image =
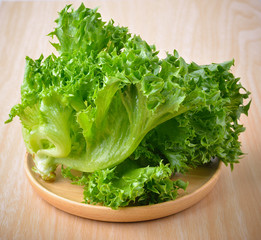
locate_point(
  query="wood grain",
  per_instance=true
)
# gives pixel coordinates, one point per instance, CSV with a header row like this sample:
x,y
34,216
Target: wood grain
x,y
202,31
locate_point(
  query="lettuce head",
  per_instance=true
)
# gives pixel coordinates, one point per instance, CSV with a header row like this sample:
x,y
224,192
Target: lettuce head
x,y
109,107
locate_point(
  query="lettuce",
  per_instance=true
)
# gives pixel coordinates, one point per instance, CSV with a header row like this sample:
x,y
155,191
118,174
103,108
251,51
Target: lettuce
x,y
109,107
127,185
199,135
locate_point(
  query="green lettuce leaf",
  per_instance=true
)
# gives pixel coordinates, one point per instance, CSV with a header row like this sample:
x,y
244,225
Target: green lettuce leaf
x,y
196,136
128,185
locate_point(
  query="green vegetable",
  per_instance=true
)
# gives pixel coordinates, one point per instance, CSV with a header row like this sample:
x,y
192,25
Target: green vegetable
x,y
109,107
128,184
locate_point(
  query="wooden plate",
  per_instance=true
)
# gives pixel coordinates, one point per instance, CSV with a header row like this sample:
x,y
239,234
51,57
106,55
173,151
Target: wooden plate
x,y
67,197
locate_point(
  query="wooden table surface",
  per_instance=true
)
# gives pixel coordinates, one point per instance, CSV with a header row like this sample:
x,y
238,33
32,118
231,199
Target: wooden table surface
x,y
201,31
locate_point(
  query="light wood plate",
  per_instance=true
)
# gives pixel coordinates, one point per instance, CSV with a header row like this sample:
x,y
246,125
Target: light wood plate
x,y
67,197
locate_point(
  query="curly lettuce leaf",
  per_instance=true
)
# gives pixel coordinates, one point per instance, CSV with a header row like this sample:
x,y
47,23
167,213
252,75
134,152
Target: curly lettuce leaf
x,y
195,137
83,30
128,185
